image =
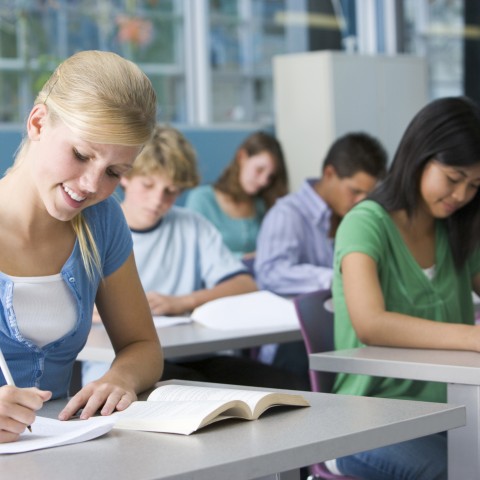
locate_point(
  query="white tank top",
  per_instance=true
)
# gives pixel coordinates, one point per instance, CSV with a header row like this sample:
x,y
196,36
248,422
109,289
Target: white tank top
x,y
45,308
430,272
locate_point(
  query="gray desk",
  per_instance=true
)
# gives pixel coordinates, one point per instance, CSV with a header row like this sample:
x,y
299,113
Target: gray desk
x,y
281,441
460,370
192,339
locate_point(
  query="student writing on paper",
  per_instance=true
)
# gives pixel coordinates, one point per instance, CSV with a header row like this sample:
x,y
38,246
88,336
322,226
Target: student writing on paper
x,y
182,260
64,243
295,244
406,261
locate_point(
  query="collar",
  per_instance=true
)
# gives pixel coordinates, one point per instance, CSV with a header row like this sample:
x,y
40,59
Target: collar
x,y
314,205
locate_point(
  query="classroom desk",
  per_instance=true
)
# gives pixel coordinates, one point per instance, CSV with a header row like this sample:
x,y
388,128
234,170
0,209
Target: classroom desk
x,y
192,339
460,370
282,440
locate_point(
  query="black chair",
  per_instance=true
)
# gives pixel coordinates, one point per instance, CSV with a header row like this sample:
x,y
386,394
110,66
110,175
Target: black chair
x,y
315,315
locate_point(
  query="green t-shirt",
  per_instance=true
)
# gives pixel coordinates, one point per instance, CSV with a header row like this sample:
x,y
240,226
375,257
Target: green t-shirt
x,y
369,229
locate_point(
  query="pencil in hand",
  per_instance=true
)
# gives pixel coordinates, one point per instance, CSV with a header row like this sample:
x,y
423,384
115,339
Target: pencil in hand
x,y
8,376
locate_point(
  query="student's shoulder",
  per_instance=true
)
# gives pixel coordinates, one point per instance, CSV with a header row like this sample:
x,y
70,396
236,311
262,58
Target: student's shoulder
x,y
108,210
186,217
202,192
368,208
289,206
367,216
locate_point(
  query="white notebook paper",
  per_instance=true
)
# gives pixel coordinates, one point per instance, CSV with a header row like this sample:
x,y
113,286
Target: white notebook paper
x,y
261,309
50,432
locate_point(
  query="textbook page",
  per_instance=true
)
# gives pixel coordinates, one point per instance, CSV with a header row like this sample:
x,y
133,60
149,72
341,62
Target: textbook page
x,y
256,400
50,432
261,309
182,417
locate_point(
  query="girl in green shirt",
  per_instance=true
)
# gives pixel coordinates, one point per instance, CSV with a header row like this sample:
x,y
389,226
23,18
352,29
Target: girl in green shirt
x,y
406,262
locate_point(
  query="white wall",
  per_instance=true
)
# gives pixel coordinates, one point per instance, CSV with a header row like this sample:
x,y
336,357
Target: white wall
x,y
320,96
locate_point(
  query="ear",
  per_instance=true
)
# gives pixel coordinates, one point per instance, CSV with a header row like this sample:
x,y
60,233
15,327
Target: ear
x,y
36,121
329,172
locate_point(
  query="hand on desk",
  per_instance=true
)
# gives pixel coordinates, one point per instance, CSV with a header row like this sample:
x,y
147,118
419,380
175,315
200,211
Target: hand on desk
x,y
17,410
106,395
168,304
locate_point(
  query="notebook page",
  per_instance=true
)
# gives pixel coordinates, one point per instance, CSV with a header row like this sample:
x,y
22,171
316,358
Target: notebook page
x,y
49,432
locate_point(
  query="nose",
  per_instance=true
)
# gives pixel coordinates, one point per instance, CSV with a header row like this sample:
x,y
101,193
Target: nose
x,y
264,180
90,180
158,197
460,192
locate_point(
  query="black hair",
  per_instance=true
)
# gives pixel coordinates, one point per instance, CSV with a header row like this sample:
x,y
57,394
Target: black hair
x,y
357,152
447,130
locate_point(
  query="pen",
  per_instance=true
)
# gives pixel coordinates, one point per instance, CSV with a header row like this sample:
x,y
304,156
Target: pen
x,y
8,375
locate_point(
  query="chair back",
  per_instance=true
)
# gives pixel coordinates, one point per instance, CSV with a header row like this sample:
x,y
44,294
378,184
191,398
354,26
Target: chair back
x,y
315,316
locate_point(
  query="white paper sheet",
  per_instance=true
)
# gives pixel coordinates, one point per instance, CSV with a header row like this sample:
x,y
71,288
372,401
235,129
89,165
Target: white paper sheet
x,y
162,321
49,432
261,309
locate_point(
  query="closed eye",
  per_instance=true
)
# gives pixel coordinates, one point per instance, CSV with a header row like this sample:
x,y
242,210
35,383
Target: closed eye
x,y
82,158
113,173
453,180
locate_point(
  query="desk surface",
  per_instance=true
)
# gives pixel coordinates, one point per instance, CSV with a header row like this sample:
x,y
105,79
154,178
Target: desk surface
x,y
411,363
282,440
192,339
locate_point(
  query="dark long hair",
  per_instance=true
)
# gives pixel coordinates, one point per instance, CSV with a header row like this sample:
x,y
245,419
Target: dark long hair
x,y
447,130
257,142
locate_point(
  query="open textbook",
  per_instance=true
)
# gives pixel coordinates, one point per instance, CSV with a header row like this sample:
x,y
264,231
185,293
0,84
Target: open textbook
x,y
184,409
169,408
260,309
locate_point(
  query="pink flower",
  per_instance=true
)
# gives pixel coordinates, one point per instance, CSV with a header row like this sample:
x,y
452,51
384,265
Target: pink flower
x,y
135,30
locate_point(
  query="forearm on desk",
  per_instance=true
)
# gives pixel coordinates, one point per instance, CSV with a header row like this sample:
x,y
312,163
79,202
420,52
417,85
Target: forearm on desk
x,y
140,364
237,285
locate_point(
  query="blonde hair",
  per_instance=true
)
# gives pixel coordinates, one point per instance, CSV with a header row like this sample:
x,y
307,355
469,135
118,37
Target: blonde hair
x,y
168,152
105,99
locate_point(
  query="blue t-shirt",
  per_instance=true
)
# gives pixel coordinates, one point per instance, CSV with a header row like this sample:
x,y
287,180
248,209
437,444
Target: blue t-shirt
x,y
50,367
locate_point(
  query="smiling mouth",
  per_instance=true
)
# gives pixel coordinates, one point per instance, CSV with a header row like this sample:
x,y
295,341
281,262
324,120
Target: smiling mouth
x,y
72,194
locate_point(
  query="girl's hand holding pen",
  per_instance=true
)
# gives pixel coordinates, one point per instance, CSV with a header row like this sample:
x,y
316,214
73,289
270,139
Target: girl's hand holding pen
x,y
17,410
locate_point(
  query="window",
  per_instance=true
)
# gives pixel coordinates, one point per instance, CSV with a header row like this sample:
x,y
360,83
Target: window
x,y
210,61
436,30
35,35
